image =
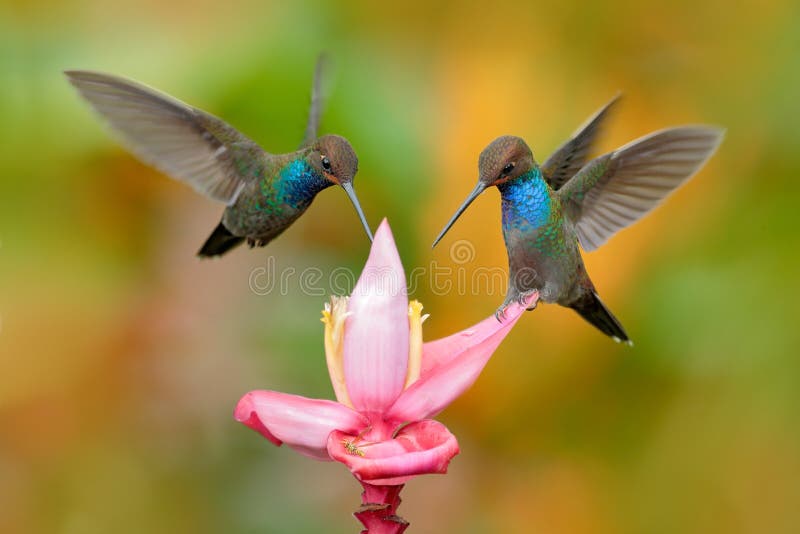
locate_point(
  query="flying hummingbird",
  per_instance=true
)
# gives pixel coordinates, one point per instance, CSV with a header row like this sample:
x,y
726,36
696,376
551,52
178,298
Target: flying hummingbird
x,y
548,210
264,193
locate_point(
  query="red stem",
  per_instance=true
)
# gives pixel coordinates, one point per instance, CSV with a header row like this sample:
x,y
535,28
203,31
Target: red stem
x,y
378,511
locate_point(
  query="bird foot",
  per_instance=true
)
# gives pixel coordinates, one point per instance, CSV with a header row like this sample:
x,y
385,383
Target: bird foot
x,y
253,242
520,299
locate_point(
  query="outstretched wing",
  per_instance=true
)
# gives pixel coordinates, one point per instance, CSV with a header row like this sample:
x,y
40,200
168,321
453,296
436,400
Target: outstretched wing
x,y
184,142
571,156
618,188
319,93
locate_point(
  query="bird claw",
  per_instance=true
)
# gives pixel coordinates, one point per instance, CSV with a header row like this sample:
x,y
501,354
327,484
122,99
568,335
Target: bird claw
x,y
522,298
253,242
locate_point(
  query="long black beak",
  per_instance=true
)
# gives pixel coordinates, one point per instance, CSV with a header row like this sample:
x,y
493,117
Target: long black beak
x,y
472,196
351,193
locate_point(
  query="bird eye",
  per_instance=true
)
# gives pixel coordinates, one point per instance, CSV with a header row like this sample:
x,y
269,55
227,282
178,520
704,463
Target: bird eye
x,y
326,163
508,168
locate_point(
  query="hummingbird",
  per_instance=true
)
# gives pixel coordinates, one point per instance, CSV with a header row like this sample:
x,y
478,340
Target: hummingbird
x,y
548,211
264,193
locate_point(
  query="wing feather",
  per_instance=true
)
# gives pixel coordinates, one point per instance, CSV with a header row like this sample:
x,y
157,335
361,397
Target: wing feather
x,y
615,190
184,142
572,155
320,88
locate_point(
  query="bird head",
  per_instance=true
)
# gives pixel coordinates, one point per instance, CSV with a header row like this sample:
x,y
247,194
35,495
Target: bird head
x,y
506,158
333,157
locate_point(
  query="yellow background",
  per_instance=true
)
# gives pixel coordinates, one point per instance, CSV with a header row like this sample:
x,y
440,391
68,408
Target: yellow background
x,y
122,355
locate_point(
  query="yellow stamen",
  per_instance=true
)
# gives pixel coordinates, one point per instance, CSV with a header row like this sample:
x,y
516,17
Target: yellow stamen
x,y
352,448
415,320
333,316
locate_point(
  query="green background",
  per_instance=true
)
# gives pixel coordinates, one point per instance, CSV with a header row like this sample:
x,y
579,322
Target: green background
x,y
122,355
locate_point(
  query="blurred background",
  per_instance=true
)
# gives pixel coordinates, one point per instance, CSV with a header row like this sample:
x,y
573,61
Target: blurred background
x,y
122,355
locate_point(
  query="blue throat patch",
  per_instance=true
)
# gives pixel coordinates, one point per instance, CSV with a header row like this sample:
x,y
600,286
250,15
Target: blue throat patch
x,y
298,183
526,200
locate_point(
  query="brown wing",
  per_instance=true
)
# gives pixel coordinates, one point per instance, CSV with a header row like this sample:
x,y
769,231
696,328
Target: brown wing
x,y
188,144
571,156
319,93
618,188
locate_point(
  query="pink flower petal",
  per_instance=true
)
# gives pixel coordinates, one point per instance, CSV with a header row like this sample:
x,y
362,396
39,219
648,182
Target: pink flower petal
x,y
420,448
376,331
451,365
302,423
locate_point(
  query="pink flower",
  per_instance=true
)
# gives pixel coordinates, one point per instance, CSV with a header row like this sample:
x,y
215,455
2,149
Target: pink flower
x,y
388,384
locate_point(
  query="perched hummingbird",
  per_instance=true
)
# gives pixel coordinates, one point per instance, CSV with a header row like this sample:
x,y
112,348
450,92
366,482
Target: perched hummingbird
x,y
264,193
547,211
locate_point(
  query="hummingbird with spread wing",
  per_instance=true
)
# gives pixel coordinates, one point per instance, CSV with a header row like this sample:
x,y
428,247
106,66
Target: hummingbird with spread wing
x,y
264,193
549,210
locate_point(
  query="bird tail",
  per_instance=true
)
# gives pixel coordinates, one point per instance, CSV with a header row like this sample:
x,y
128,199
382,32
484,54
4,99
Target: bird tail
x,y
591,308
219,242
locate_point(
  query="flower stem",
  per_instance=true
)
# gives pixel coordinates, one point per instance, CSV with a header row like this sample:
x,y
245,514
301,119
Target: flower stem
x,y
378,511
